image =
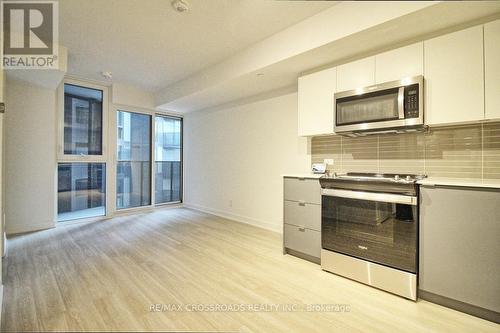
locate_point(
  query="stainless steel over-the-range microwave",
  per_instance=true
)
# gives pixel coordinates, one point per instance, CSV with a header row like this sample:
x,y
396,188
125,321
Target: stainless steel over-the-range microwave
x,y
396,106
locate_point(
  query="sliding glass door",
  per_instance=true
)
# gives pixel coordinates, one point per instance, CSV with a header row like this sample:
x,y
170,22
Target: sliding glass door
x,y
168,159
133,177
149,159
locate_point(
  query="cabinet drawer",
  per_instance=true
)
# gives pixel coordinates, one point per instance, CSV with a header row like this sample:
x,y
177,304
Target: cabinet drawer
x,y
303,215
300,189
303,240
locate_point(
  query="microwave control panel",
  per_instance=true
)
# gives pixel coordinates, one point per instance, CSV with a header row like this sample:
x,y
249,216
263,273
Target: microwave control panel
x,y
411,101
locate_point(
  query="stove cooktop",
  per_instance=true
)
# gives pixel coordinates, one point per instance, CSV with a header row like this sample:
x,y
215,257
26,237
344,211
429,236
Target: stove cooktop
x,y
372,182
377,177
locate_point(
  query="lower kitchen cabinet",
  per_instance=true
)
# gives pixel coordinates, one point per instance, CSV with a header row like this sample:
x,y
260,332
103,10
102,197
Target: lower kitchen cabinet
x,y
302,218
303,240
302,190
459,261
303,214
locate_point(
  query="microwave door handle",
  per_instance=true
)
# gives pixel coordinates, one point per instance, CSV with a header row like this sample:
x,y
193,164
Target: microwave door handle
x,y
401,101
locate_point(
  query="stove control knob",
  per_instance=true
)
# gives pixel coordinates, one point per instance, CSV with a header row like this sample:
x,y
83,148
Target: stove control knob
x,y
408,178
396,177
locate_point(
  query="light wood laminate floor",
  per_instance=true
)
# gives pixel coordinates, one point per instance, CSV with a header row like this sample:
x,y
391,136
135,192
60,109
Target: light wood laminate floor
x,y
106,275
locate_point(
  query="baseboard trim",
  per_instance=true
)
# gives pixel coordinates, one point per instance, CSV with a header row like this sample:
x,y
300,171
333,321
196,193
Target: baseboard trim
x,y
460,306
29,228
235,217
304,256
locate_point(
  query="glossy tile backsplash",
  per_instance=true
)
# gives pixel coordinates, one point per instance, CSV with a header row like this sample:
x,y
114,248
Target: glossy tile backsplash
x,y
471,151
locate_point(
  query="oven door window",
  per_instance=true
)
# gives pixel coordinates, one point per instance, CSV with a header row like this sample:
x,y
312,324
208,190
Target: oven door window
x,y
384,233
371,107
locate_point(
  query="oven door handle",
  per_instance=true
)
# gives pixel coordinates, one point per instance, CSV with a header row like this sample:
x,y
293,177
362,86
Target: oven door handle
x,y
370,196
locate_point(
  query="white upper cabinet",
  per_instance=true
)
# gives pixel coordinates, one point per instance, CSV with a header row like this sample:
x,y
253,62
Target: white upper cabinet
x,y
492,69
461,71
357,74
400,63
454,77
316,102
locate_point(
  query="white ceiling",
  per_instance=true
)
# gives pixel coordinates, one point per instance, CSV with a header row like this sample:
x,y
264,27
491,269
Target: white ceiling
x,y
147,44
418,25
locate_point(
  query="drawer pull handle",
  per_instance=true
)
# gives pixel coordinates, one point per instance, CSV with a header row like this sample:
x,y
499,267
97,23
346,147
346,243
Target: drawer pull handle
x,y
301,178
302,229
361,247
302,203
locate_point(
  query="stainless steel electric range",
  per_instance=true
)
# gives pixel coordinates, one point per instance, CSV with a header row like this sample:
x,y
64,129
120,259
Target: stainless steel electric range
x,y
369,229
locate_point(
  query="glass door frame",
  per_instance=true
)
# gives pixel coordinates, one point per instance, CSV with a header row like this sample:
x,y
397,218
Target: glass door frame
x,y
61,157
181,196
113,149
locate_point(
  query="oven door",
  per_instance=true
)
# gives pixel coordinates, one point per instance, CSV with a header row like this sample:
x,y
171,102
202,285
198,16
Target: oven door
x,y
378,227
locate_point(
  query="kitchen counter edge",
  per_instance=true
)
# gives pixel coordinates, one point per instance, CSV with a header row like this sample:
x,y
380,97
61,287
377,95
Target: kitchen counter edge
x,y
429,181
460,182
304,175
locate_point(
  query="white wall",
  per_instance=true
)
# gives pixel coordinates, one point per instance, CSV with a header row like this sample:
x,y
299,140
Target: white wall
x,y
31,146
30,157
239,154
124,94
236,154
328,26
2,161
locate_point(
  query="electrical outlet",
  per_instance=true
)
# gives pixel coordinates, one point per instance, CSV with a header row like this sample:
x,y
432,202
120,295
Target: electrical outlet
x,y
328,161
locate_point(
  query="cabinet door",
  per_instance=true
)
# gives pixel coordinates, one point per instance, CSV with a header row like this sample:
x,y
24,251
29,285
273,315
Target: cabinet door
x,y
454,86
315,102
357,74
400,63
492,69
459,247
